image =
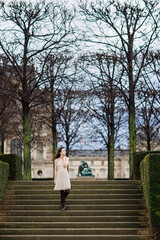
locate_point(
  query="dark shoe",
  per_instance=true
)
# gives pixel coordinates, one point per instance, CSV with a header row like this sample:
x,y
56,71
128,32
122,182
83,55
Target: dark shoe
x,y
63,207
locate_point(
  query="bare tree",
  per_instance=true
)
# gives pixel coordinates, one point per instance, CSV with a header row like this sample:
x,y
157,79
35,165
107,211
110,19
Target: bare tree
x,y
127,30
6,113
147,123
8,110
59,73
104,101
30,30
73,115
151,77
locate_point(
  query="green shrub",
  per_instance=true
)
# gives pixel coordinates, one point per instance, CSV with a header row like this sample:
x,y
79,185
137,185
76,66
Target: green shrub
x,y
15,165
150,176
138,157
4,173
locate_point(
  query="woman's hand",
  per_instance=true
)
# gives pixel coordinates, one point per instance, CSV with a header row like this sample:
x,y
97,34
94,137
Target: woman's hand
x,y
64,165
65,162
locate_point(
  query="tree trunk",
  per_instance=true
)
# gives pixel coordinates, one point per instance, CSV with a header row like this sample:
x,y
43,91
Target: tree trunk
x,y
26,142
111,157
132,139
54,136
67,149
111,132
26,110
54,130
54,133
110,148
148,137
148,144
67,138
2,146
132,124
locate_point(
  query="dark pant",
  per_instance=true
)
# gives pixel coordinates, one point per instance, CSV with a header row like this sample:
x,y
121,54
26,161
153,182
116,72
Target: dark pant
x,y
64,194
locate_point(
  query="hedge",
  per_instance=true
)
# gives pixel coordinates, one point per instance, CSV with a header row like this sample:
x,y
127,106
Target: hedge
x,y
15,165
150,176
138,157
4,173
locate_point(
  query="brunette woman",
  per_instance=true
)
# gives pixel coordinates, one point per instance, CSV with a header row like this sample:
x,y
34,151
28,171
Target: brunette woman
x,y
61,177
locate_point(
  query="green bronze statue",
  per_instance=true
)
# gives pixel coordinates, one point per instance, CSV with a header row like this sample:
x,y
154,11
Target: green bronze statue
x,y
84,169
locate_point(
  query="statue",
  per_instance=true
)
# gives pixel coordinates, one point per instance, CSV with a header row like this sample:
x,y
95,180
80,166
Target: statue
x,y
87,171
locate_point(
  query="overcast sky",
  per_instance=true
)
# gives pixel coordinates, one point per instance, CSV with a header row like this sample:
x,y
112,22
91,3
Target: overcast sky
x,y
85,143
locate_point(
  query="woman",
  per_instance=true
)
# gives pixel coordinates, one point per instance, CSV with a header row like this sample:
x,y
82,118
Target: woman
x,y
61,177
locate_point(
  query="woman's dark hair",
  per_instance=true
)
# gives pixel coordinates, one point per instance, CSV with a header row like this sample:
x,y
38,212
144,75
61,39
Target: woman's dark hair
x,y
58,153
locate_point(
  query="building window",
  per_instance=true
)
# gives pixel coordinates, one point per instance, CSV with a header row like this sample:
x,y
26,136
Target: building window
x,y
40,151
16,147
102,162
102,172
39,173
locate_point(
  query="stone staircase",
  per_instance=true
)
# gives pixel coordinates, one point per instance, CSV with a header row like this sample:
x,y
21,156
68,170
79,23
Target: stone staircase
x,y
96,210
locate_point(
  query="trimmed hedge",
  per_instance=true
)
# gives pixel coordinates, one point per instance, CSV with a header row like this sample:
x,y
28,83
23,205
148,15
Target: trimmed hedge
x,y
138,157
15,165
150,176
4,173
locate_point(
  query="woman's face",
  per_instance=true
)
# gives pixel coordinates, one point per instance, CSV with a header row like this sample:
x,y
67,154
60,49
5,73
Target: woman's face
x,y
63,152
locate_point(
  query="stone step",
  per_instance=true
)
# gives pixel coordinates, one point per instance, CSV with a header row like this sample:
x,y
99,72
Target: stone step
x,y
73,213
73,218
74,237
77,182
116,207
76,231
75,187
64,225
91,201
73,191
74,196
96,209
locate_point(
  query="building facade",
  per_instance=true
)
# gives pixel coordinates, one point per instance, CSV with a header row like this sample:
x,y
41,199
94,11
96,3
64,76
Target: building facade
x,y
42,163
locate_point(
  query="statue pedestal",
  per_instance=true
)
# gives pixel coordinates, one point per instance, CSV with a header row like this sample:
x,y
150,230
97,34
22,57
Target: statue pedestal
x,y
85,178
